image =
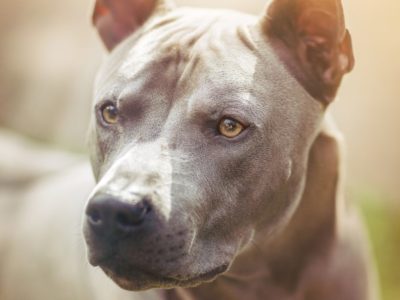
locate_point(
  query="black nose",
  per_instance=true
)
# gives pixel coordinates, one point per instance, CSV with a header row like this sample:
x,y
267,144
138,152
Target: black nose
x,y
111,216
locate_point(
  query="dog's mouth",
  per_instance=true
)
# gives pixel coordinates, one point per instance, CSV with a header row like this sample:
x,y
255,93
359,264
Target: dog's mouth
x,y
135,279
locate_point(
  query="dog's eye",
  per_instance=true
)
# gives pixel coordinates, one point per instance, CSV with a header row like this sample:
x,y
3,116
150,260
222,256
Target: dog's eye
x,y
230,128
109,113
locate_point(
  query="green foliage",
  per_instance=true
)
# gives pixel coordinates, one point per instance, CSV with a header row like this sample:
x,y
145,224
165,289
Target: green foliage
x,y
383,221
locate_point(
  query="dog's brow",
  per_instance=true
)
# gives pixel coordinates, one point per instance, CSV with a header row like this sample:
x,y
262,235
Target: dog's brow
x,y
238,105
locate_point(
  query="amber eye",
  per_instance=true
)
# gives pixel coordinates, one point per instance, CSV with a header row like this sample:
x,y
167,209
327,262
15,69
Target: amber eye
x,y
230,128
109,113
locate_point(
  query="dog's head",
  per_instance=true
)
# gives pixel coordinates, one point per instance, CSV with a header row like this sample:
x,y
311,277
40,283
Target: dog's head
x,y
202,123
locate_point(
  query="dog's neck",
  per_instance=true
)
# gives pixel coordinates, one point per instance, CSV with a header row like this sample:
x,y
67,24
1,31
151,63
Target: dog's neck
x,y
272,268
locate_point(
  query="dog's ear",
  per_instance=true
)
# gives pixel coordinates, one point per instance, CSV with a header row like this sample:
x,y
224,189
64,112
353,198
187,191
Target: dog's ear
x,y
311,38
117,19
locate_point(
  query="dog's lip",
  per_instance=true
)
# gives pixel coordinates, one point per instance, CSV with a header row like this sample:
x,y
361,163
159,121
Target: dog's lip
x,y
207,276
164,280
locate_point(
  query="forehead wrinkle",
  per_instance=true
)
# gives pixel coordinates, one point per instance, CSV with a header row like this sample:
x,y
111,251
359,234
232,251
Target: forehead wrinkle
x,y
171,41
181,29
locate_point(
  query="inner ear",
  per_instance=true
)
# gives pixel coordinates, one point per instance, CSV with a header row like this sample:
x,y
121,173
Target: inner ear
x,y
115,20
311,38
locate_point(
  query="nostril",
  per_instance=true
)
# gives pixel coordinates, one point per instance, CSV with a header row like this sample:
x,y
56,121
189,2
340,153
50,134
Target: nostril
x,y
132,216
127,221
94,217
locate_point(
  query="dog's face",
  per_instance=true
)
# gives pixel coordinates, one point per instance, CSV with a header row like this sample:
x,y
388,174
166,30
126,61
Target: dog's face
x,y
199,139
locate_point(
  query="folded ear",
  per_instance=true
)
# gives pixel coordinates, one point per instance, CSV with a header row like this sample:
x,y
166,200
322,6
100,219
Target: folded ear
x,y
117,19
311,38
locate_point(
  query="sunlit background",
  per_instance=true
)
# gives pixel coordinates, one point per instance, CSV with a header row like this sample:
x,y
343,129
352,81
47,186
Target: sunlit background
x,y
49,54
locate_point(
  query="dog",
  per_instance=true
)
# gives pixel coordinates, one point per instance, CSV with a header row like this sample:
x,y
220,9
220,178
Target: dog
x,y
217,165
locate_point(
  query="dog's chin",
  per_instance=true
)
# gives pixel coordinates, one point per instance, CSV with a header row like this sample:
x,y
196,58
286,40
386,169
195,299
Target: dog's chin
x,y
137,280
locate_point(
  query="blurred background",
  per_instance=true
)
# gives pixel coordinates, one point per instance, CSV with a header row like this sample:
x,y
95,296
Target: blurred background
x,y
49,54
